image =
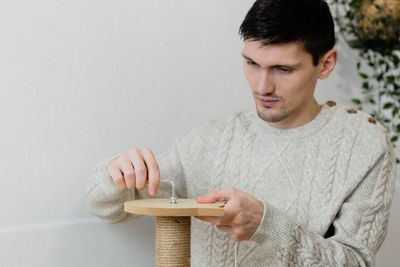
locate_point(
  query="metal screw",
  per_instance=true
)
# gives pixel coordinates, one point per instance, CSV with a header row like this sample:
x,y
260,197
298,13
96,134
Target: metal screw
x,y
173,195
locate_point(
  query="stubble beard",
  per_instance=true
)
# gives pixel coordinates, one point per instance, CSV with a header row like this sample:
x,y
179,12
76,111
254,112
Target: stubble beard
x,y
283,113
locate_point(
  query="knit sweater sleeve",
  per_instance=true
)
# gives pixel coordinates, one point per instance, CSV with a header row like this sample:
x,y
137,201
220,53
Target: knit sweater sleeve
x,y
106,201
360,225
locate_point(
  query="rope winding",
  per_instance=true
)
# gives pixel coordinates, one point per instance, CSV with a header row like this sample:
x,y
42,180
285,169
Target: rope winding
x,y
173,241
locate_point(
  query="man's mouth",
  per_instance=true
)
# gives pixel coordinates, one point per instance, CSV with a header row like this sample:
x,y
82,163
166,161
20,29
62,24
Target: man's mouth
x,y
267,102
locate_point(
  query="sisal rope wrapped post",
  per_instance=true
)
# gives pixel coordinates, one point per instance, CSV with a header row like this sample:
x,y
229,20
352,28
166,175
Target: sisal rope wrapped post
x,y
173,224
173,241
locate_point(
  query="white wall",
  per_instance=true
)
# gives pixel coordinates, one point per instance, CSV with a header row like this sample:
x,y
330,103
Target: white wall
x,y
84,80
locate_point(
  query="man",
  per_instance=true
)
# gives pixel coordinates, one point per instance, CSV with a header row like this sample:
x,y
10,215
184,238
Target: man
x,y
304,184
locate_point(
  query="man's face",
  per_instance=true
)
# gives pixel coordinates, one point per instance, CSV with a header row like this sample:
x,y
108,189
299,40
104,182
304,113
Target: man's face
x,y
282,78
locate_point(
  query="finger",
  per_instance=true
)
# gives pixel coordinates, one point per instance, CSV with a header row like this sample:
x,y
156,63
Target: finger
x,y
117,177
209,219
217,220
109,167
216,195
140,168
127,171
152,169
211,197
225,228
237,234
233,232
227,219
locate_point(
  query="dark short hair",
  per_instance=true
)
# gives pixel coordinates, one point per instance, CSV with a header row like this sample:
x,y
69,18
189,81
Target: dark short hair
x,y
308,22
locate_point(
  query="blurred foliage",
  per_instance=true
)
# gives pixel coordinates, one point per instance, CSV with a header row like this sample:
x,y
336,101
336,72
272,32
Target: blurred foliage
x,y
373,27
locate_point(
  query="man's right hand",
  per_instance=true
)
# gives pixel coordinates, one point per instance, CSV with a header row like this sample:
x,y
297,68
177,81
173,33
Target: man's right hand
x,y
134,169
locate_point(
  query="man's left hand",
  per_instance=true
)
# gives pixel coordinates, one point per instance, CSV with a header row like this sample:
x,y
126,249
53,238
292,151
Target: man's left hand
x,y
242,212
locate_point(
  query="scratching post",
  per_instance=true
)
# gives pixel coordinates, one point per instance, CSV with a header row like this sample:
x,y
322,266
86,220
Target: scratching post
x,y
173,241
173,226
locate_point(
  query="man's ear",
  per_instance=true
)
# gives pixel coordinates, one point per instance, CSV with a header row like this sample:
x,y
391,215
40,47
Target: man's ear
x,y
327,63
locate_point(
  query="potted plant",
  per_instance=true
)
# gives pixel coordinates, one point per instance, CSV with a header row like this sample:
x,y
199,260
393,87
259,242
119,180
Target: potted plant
x,y
373,27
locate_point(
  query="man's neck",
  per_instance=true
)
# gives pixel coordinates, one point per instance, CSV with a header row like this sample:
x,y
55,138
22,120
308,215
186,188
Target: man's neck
x,y
300,117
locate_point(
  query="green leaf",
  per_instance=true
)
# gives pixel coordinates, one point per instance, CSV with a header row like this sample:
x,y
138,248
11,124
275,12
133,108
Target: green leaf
x,y
372,101
387,105
396,59
395,111
398,128
390,79
394,138
365,85
363,75
353,4
356,101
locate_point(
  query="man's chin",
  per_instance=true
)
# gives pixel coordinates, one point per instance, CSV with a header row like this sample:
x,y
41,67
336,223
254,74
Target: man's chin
x,y
268,116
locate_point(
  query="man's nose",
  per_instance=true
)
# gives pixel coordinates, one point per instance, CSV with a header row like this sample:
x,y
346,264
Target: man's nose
x,y
265,83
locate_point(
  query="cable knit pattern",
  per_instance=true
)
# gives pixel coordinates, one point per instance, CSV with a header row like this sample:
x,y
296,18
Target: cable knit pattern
x,y
337,172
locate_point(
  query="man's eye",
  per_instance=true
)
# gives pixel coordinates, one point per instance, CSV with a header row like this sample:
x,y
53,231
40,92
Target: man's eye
x,y
284,70
251,63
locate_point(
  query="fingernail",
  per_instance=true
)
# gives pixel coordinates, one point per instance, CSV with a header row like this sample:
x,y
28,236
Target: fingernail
x,y
152,191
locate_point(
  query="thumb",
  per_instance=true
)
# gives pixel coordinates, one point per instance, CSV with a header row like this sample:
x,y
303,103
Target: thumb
x,y
216,195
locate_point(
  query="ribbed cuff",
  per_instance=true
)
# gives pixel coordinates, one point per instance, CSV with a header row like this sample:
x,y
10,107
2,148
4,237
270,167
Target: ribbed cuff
x,y
273,230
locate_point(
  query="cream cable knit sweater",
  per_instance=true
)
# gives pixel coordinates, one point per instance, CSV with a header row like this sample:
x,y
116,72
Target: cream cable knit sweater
x,y
326,186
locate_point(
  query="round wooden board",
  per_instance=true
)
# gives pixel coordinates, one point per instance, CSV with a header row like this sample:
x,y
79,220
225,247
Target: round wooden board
x,y
183,207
